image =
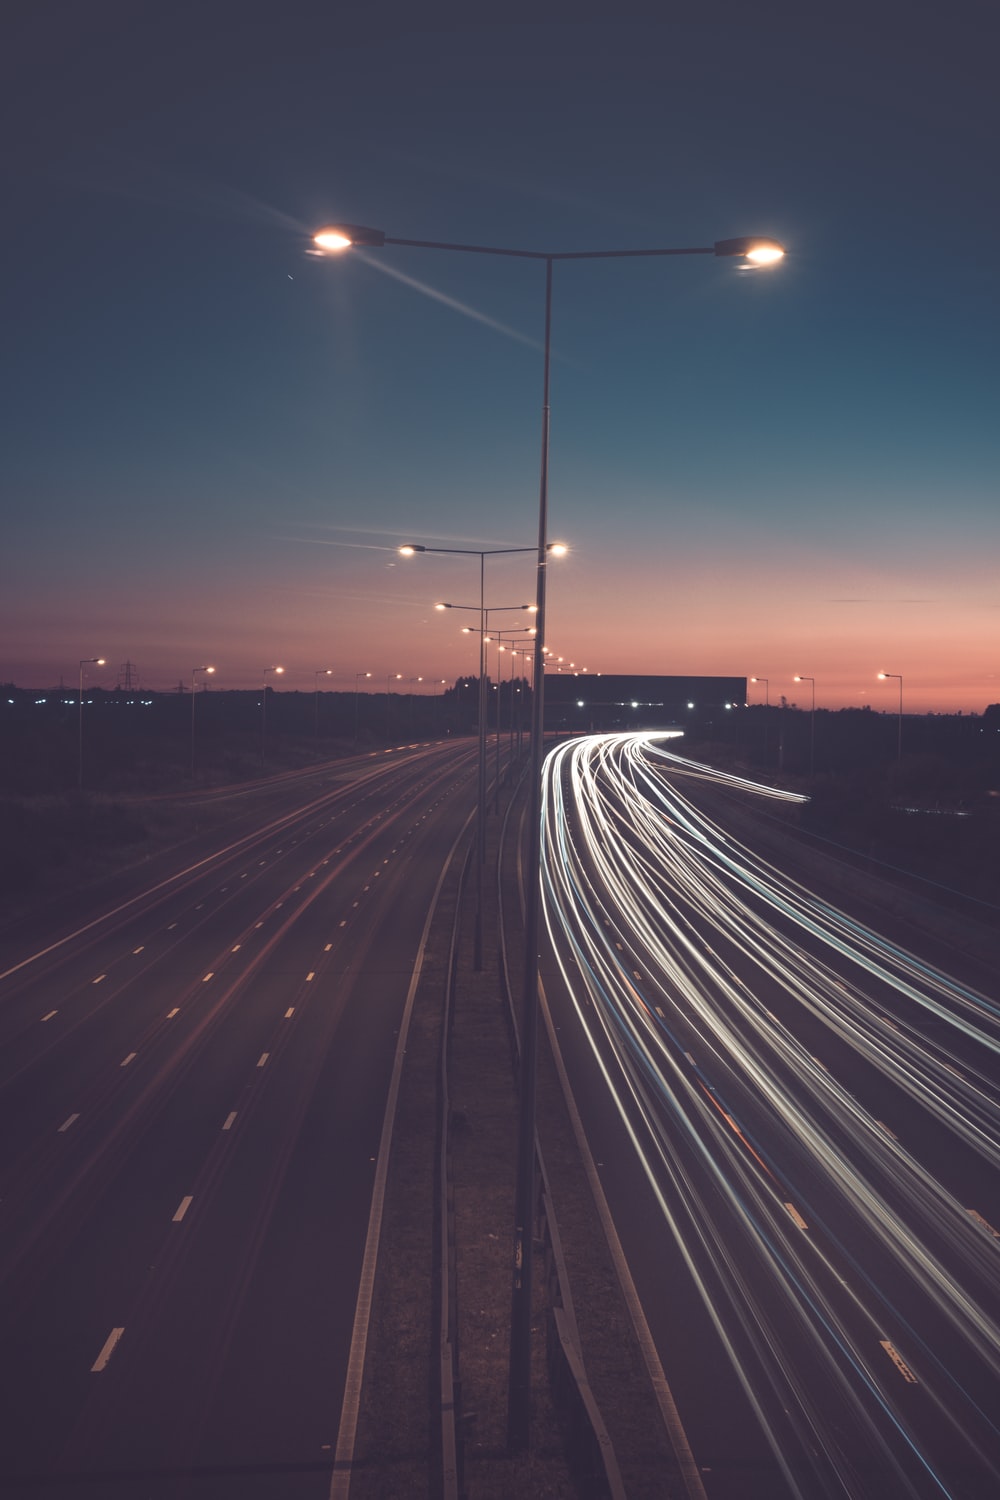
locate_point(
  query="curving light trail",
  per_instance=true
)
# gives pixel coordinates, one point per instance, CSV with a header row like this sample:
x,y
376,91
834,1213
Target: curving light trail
x,y
817,1112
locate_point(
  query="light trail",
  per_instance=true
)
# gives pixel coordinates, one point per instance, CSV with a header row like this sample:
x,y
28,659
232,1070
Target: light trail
x,y
817,1112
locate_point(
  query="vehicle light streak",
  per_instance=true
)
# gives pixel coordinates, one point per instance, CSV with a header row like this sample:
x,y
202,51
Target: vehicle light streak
x,y
819,1237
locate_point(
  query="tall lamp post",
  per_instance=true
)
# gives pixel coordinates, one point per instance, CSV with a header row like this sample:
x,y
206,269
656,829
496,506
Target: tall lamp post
x,y
358,678
812,724
317,674
263,713
87,661
767,705
389,677
760,252
194,674
884,677
484,614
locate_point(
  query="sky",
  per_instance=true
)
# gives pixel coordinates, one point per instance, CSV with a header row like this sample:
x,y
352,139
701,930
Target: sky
x,y
215,440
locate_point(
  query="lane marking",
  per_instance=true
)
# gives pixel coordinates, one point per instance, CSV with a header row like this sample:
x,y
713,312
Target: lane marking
x,y
208,976
126,1060
289,1013
899,1362
263,1059
70,1120
50,1015
182,1209
800,1221
99,978
109,1348
172,926
310,975
140,949
236,949
328,947
172,1013
229,1120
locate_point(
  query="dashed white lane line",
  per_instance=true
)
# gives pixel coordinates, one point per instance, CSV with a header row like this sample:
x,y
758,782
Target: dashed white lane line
x,y
311,975
263,1059
172,1013
182,1209
70,1120
140,949
50,1015
172,926
99,978
328,947
126,1060
236,948
110,1344
289,1013
208,976
229,1120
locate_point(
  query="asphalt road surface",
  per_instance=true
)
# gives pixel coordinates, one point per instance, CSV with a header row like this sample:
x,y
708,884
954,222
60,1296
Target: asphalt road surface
x,y
193,1086
797,1126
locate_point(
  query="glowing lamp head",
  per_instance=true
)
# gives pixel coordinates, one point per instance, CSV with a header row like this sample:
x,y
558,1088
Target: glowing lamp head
x,y
337,237
557,549
410,549
100,662
751,248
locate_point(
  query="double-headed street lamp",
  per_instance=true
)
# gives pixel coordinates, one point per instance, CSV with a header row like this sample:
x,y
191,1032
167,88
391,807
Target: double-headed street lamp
x,y
87,661
760,252
812,723
263,713
884,677
194,674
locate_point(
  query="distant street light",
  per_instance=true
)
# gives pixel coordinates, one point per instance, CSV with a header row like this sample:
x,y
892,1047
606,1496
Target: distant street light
x,y
767,705
317,674
358,677
812,724
757,251
194,673
263,713
884,676
87,661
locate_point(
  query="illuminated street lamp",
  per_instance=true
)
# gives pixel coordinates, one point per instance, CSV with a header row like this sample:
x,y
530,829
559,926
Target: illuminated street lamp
x,y
358,677
767,706
884,677
263,712
317,674
87,661
194,674
757,252
484,614
812,723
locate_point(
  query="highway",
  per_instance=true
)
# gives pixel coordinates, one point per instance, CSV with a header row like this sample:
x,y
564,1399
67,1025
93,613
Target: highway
x,y
193,1095
797,1126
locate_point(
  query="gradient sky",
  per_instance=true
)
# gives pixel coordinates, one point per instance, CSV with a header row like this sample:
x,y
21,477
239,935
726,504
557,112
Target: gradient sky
x,y
215,442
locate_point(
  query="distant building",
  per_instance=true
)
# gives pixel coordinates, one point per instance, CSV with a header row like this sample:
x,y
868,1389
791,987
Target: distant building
x,y
585,703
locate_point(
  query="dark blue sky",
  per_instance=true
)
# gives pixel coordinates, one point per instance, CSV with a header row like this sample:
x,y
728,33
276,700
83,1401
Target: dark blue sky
x,y
214,441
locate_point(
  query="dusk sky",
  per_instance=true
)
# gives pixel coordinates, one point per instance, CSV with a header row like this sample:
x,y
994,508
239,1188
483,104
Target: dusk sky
x,y
215,441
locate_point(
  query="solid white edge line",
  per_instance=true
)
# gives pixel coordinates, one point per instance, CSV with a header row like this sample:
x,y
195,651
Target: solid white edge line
x,y
340,1479
689,1473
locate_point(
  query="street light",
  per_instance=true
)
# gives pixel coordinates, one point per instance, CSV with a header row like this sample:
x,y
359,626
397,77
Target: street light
x,y
812,723
755,251
263,713
389,677
409,549
194,673
884,676
87,661
317,674
767,705
484,614
358,677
